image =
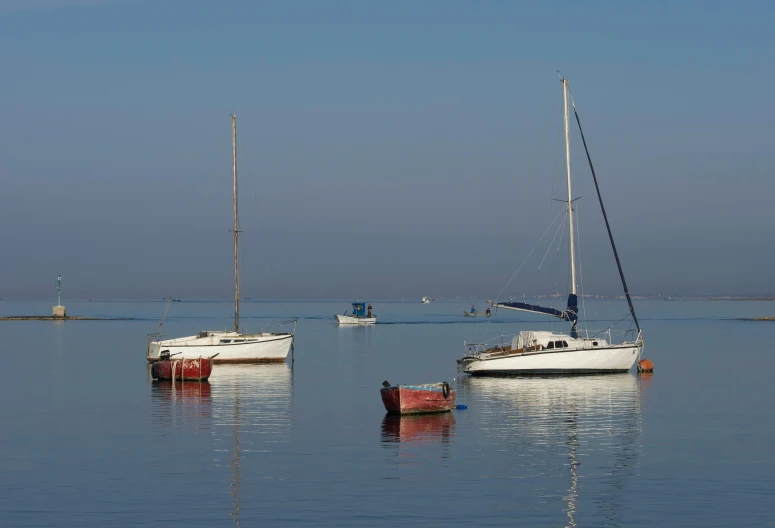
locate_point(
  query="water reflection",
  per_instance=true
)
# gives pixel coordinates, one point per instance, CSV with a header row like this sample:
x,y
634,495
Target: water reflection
x,y
594,419
426,428
186,405
414,441
248,399
166,389
246,408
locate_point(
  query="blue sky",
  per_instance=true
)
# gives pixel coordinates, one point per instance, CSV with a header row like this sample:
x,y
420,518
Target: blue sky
x,y
385,148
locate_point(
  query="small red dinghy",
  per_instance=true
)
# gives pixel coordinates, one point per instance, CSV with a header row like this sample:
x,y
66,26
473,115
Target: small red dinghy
x,y
410,399
182,369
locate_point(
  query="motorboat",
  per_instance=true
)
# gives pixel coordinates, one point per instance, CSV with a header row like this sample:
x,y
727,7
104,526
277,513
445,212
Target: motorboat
x,y
486,313
361,315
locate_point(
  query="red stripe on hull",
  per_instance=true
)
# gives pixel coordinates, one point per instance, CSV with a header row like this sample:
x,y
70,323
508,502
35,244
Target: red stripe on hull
x,y
183,369
405,400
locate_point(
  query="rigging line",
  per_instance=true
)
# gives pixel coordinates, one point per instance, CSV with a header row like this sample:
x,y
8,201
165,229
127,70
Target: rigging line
x,y
554,167
556,261
581,273
562,233
611,326
605,217
561,226
552,116
528,256
164,316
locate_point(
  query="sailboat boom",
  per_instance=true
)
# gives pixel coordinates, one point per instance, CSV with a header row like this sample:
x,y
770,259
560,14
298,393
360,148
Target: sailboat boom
x,y
570,314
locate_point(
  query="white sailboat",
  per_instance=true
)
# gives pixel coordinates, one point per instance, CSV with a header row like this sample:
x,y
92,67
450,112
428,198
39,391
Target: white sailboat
x,y
230,346
578,351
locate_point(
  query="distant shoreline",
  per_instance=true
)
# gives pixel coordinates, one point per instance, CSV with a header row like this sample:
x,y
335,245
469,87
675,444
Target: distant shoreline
x,y
742,299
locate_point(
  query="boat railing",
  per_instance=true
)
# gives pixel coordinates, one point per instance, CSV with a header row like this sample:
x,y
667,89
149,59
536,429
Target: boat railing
x,y
502,344
496,344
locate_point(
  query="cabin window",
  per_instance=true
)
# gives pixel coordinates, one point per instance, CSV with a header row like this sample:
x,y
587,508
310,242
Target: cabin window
x,y
565,344
225,341
560,344
239,341
550,345
594,343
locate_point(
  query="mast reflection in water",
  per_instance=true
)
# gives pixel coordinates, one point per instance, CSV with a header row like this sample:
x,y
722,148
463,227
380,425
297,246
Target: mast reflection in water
x,y
248,399
567,428
244,408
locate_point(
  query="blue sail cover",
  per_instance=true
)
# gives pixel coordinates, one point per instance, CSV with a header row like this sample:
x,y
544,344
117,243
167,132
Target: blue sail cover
x,y
359,309
570,314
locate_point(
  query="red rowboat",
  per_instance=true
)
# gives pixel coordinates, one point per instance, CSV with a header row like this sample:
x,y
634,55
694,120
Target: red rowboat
x,y
408,399
182,369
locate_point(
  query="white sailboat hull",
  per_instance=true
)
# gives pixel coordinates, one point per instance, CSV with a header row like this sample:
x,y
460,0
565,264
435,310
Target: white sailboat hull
x,y
231,347
350,320
617,358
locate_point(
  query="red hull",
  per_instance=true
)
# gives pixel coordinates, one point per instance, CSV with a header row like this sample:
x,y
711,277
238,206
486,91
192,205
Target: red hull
x,y
183,369
409,399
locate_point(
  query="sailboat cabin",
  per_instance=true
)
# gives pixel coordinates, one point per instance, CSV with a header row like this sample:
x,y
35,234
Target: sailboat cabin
x,y
550,341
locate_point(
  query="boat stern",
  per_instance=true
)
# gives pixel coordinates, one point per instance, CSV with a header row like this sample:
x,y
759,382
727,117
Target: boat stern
x,y
415,399
153,350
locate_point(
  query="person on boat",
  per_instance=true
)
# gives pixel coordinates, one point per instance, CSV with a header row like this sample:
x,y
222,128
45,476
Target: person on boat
x,y
487,311
473,309
368,314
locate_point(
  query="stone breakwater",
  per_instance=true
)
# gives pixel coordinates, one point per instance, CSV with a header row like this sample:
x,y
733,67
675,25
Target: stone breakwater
x,y
66,318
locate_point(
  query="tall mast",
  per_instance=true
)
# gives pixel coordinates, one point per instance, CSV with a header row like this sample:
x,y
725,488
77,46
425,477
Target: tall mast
x,y
236,223
570,196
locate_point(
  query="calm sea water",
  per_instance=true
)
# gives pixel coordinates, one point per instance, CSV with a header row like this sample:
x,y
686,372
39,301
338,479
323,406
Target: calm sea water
x,y
88,439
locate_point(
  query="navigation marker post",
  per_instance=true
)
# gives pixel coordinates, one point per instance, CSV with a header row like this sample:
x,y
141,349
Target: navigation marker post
x,y
59,310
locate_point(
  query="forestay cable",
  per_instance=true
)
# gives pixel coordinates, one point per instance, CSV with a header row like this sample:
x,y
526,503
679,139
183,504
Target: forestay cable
x,y
528,255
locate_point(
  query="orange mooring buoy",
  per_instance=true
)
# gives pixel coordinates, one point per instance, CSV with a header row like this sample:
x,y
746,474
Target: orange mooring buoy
x,y
644,365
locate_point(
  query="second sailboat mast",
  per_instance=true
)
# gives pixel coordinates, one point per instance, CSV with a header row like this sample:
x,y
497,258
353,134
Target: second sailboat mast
x,y
236,223
570,196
